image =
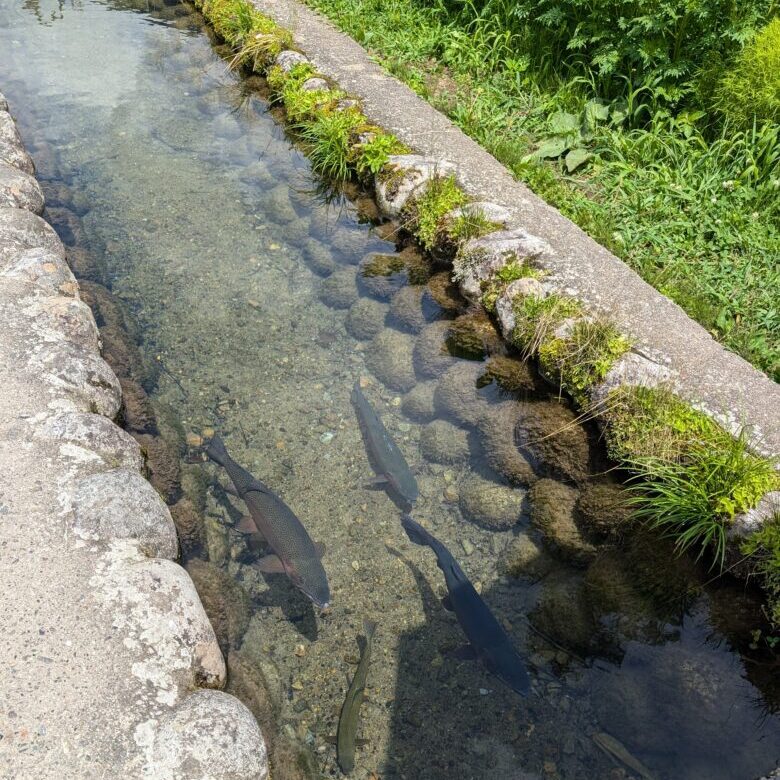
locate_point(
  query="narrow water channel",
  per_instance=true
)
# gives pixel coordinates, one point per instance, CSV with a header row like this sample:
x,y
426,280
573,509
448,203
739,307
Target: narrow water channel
x,y
175,187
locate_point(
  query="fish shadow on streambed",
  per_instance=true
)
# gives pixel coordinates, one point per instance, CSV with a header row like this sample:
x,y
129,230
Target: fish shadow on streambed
x,y
441,726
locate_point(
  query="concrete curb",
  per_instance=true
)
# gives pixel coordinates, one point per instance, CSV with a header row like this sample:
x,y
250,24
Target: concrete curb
x,y
105,642
705,374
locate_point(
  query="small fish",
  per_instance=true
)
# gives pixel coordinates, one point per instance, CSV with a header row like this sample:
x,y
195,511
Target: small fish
x,y
385,457
617,750
296,555
488,642
350,712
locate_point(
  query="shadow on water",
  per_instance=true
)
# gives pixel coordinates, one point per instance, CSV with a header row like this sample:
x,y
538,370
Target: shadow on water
x,y
240,268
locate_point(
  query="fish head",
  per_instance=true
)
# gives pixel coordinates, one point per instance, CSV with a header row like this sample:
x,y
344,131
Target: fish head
x,y
314,588
504,662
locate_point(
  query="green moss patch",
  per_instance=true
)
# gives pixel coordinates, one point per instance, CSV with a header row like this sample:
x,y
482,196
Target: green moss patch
x,y
423,214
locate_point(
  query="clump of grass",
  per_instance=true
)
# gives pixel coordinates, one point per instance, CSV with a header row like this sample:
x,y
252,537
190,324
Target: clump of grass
x,y
300,104
763,547
582,358
537,318
423,215
329,138
696,497
471,225
494,288
255,38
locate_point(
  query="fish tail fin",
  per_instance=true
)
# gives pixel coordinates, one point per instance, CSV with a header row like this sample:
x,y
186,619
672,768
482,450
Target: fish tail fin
x,y
369,627
217,450
415,531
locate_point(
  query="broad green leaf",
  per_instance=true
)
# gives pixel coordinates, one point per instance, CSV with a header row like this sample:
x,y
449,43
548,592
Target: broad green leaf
x,y
577,157
562,122
596,111
552,147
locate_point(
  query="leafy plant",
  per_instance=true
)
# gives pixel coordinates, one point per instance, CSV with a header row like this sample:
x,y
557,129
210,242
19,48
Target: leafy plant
x,y
511,272
373,154
750,90
424,213
537,318
763,547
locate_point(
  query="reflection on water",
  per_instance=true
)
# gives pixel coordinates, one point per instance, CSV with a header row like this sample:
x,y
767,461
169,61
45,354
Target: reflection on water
x,y
174,187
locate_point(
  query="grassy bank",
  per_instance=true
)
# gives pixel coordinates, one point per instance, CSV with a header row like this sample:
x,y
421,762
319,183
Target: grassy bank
x,y
659,162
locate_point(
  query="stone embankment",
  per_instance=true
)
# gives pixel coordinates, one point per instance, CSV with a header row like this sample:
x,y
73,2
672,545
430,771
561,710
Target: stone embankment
x,y
110,667
668,345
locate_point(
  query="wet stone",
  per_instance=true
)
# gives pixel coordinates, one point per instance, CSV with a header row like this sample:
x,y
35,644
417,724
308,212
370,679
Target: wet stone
x,y
418,403
162,461
21,230
497,434
318,257
491,504
443,442
137,413
339,290
431,354
366,318
389,358
604,509
12,150
523,558
457,393
445,293
406,308
67,224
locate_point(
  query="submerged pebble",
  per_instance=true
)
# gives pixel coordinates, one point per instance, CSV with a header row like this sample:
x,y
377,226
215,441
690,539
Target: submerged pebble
x,y
366,318
418,404
339,290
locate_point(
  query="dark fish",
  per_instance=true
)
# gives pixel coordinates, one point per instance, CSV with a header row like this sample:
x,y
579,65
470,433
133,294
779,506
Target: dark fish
x,y
385,457
296,555
488,642
346,736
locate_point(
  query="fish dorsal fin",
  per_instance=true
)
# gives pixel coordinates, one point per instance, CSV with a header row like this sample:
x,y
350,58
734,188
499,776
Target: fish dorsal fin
x,y
271,564
320,548
258,487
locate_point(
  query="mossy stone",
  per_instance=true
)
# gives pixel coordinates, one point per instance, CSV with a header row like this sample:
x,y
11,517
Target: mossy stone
x,y
137,411
564,613
406,308
553,513
189,526
457,393
318,257
603,509
497,435
225,601
549,434
162,463
523,558
473,336
382,275
446,293
510,373
431,354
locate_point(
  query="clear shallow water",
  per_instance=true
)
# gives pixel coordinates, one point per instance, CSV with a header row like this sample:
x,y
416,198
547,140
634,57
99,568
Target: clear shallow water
x,y
207,223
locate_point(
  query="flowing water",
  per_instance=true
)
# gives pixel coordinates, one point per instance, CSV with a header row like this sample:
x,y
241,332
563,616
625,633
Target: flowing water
x,y
176,187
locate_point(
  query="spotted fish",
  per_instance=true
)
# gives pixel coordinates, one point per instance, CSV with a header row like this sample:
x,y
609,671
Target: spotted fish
x,y
295,554
386,459
488,642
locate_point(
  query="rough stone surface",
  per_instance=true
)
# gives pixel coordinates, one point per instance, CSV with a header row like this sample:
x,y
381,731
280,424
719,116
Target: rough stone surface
x,y
102,647
406,177
12,152
505,305
121,504
21,229
315,84
418,403
339,290
708,374
492,212
480,258
765,510
19,190
366,318
457,393
288,59
431,354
